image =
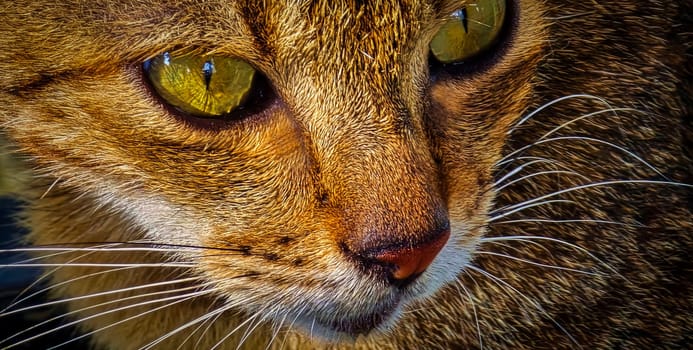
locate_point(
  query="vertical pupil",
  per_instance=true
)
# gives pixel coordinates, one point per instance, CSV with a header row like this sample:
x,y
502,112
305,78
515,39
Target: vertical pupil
x,y
207,70
464,18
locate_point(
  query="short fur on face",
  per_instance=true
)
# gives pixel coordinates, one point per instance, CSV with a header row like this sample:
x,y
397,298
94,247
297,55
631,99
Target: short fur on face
x,y
559,162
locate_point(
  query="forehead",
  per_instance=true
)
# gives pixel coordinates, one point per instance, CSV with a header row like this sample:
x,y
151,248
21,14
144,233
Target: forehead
x,y
282,15
340,27
210,22
272,34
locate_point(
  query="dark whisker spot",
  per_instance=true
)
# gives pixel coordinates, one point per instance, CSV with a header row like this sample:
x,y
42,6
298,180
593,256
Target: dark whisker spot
x,y
245,250
284,240
271,256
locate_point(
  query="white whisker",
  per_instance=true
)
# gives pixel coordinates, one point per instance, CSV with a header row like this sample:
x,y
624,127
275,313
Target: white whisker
x,y
549,104
540,264
43,276
588,139
293,322
210,322
512,209
613,110
533,302
181,298
93,295
18,301
530,239
120,300
249,319
529,176
568,221
205,317
253,326
525,158
50,187
520,168
591,185
471,301
101,265
65,250
72,323
275,332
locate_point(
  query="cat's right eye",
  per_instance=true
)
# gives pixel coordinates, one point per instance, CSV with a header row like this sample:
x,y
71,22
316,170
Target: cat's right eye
x,y
200,85
469,31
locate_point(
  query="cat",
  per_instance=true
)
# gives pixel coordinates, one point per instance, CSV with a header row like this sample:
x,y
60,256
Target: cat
x,y
353,175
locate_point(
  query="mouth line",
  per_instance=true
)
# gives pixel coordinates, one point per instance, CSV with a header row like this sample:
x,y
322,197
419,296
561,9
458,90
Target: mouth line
x,y
351,326
360,325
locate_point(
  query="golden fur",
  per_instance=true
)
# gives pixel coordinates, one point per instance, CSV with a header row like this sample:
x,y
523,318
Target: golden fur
x,y
362,143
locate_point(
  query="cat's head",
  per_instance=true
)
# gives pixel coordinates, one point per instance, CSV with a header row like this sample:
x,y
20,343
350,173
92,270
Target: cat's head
x,y
355,179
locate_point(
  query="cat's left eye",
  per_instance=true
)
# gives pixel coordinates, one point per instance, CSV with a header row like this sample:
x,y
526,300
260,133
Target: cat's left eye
x,y
469,31
200,85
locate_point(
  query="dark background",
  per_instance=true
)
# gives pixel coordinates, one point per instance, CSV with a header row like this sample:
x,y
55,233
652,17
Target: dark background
x,y
15,280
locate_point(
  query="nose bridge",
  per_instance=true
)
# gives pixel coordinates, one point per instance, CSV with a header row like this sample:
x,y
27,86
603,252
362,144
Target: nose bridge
x,y
361,109
384,181
359,101
380,174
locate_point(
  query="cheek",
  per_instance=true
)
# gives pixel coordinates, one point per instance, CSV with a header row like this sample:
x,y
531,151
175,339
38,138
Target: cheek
x,y
469,136
470,127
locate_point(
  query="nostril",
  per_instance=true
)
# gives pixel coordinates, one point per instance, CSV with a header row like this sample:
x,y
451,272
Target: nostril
x,y
409,262
400,263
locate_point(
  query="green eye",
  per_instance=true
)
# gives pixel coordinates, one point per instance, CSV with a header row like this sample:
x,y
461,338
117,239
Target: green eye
x,y
469,31
203,86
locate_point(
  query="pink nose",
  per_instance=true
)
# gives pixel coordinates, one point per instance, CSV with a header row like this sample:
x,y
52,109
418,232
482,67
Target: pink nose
x,y
409,262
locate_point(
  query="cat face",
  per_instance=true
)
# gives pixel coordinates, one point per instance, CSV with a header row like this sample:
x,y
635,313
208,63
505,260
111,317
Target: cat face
x,y
357,146
358,151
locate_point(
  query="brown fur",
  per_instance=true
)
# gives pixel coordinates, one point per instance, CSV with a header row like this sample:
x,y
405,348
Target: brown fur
x,y
363,144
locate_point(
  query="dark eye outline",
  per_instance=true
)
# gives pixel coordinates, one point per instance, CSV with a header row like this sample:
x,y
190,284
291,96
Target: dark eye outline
x,y
261,98
484,59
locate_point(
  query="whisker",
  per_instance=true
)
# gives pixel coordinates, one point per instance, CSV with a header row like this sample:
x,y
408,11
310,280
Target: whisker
x,y
250,318
82,297
293,322
181,298
72,323
614,110
506,245
561,268
591,185
253,326
100,265
511,211
525,158
65,250
533,302
520,168
50,187
476,316
589,139
548,172
276,330
18,301
205,317
152,246
560,99
210,323
312,326
530,239
57,252
43,276
96,306
568,221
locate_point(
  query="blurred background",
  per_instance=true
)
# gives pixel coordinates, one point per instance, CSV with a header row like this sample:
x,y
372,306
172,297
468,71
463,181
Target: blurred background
x,y
18,282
